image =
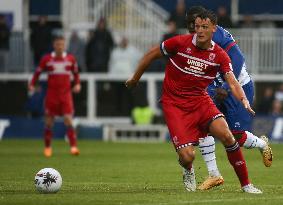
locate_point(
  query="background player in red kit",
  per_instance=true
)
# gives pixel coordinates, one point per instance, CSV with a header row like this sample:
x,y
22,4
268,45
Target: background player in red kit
x,y
58,101
193,61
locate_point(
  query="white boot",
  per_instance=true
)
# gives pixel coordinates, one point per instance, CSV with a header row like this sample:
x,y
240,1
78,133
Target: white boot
x,y
189,179
251,189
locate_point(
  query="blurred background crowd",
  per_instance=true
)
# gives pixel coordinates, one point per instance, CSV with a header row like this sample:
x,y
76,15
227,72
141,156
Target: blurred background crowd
x,y
109,37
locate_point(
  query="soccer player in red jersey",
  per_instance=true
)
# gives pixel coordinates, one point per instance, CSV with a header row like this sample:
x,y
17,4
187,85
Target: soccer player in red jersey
x,y
238,118
60,66
193,61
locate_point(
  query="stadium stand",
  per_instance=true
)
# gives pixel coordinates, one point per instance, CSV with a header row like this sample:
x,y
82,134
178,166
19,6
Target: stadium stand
x,y
144,23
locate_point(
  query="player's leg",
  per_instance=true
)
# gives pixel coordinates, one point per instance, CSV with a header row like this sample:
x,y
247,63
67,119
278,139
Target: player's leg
x,y
219,128
67,108
48,133
71,134
50,109
207,150
179,124
186,158
240,122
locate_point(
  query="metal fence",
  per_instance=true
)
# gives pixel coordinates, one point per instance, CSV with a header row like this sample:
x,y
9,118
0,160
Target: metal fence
x,y
263,50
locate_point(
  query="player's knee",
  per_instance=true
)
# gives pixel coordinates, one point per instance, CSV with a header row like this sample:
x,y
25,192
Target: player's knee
x,y
68,122
227,138
49,123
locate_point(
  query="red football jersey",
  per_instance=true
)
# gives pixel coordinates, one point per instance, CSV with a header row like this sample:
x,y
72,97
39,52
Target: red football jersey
x,y
59,70
190,70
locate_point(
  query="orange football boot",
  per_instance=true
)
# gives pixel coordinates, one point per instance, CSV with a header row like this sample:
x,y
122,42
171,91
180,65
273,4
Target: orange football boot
x,y
75,151
47,151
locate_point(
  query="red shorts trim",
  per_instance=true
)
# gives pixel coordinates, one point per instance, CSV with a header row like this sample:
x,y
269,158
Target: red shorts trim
x,y
186,127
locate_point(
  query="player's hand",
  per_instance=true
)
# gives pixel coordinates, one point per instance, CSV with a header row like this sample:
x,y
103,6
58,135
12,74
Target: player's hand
x,y
77,88
31,88
246,105
131,82
220,94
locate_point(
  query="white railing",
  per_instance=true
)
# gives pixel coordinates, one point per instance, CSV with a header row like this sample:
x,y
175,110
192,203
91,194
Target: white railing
x,y
92,96
263,49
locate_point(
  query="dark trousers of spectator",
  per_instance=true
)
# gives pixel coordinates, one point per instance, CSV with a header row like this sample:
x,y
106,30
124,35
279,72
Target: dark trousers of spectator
x,y
3,61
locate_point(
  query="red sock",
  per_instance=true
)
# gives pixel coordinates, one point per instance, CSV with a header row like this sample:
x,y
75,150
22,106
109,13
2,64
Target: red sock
x,y
240,136
47,137
190,166
238,162
71,133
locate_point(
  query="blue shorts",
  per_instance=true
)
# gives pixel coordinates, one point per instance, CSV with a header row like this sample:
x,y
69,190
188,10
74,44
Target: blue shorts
x,y
237,117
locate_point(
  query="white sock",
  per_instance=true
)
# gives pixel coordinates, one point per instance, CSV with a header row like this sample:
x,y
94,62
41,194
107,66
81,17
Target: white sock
x,y
253,141
207,150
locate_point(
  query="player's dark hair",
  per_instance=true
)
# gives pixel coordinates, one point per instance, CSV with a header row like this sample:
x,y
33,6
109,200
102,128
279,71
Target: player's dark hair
x,y
58,37
208,14
191,14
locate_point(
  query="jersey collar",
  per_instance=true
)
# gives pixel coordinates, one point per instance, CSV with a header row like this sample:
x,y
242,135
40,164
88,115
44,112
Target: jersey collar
x,y
194,41
63,55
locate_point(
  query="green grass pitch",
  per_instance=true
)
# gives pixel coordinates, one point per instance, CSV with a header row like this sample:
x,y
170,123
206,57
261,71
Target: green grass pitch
x,y
128,174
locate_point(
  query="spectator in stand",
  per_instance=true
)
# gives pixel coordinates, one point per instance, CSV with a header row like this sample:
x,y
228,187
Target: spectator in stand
x,y
40,39
171,30
124,58
276,108
267,24
4,43
265,104
123,61
77,48
158,65
248,22
224,19
279,94
179,15
142,114
98,48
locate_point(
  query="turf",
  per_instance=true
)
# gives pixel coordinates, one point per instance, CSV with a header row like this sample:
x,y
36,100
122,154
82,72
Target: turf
x,y
127,173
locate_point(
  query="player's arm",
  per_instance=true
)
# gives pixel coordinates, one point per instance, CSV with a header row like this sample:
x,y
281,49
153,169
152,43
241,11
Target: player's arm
x,y
77,81
38,71
151,55
238,91
167,48
235,87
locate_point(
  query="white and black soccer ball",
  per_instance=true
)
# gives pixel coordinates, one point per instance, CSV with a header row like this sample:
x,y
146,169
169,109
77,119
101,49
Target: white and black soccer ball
x,y
48,180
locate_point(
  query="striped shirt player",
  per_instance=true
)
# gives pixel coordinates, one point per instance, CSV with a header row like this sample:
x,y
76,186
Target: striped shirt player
x,y
58,100
60,67
238,118
193,62
188,73
236,115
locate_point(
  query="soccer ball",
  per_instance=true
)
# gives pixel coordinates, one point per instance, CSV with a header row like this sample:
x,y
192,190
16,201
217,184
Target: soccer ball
x,y
48,180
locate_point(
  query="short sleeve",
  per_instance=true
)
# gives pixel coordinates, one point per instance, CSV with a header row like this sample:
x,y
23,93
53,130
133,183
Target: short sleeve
x,y
225,63
170,46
